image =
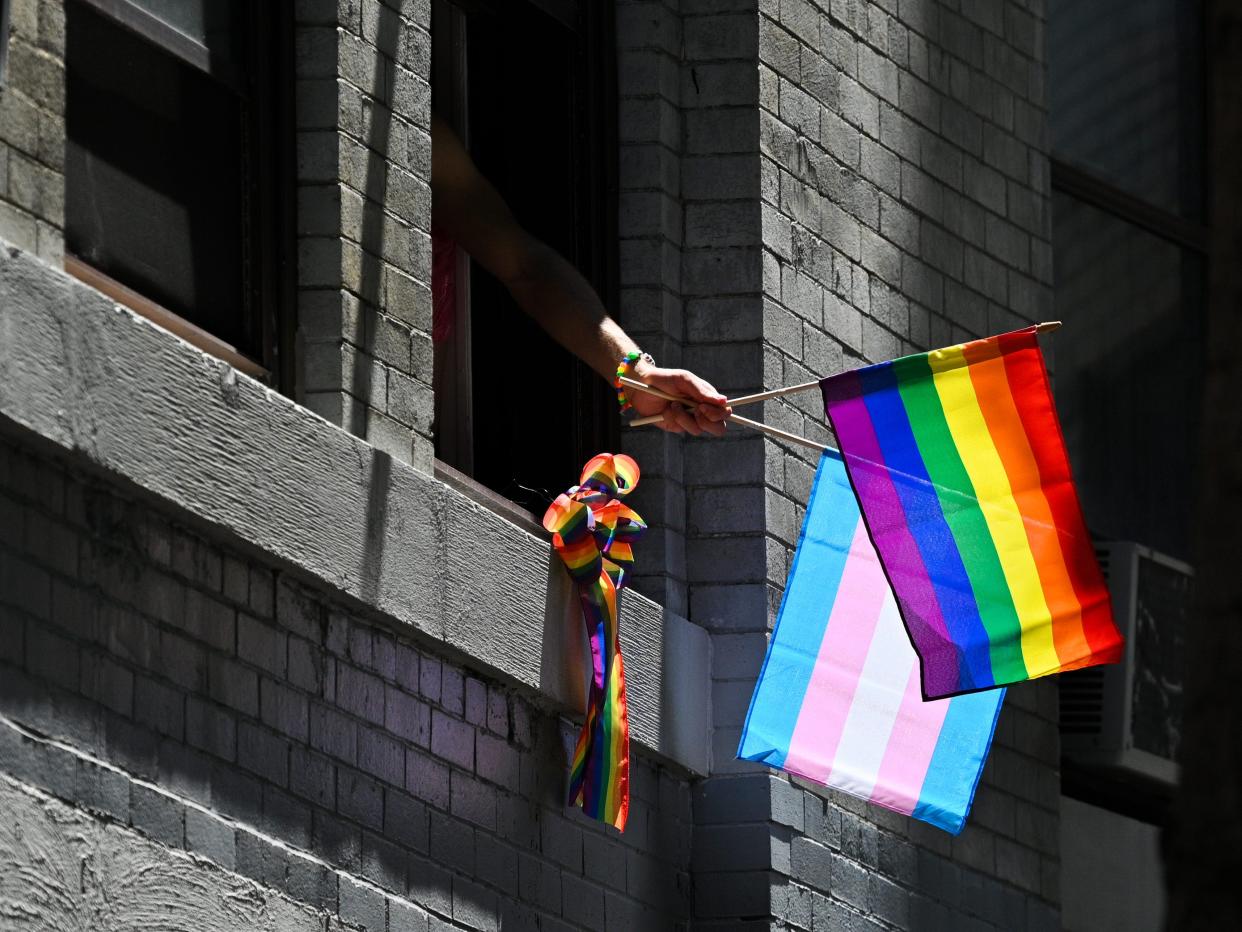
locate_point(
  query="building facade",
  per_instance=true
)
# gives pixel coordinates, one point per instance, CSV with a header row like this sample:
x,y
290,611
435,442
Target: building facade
x,y
271,658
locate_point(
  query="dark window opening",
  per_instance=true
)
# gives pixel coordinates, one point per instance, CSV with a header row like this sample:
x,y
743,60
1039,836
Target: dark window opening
x,y
529,88
178,167
1127,94
1129,177
1128,375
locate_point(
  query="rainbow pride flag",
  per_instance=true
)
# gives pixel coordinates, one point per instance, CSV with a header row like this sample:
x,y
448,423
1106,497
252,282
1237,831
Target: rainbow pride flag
x,y
839,699
959,465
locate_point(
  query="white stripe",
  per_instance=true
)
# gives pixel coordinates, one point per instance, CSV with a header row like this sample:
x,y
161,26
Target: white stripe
x,y
881,687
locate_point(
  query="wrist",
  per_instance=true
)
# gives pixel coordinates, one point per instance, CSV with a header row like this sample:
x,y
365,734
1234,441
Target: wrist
x,y
634,365
643,366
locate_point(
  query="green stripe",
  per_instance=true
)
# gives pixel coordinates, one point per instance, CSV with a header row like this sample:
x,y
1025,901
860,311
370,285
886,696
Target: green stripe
x,y
964,516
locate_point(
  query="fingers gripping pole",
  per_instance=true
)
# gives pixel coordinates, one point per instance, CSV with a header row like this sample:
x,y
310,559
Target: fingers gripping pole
x,y
733,418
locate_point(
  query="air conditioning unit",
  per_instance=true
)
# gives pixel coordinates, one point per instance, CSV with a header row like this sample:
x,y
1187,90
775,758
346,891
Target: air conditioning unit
x,y
1126,718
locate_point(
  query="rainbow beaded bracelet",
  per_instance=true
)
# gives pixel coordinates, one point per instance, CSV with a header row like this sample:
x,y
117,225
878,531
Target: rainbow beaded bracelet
x,y
626,364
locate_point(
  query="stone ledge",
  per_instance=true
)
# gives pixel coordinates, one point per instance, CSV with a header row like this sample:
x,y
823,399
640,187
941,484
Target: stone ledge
x,y
126,397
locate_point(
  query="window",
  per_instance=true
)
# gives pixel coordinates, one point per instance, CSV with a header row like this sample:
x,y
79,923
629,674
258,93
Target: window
x,y
178,167
1126,115
528,87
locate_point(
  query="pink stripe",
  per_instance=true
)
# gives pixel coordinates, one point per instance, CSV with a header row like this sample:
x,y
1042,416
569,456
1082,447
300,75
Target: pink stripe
x,y
842,652
910,748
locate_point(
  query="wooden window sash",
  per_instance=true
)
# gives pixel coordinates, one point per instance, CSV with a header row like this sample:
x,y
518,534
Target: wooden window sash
x,y
160,33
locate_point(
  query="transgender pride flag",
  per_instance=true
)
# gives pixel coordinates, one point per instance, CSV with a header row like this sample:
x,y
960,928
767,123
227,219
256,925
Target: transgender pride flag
x,y
839,699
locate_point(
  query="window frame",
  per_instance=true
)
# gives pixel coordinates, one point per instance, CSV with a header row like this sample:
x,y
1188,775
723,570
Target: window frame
x,y
264,88
591,412
1116,792
1091,189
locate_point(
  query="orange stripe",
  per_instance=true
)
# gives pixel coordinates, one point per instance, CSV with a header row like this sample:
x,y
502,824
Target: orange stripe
x,y
1028,381
987,373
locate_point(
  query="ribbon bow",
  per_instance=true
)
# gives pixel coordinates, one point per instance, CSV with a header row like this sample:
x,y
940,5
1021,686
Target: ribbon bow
x,y
593,533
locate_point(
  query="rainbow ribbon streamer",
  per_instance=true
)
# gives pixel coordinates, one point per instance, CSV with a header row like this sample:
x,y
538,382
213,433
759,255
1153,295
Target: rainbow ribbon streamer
x,y
592,532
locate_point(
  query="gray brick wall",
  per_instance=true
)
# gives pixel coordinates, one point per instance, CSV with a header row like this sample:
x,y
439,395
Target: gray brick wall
x,y
364,219
904,196
888,194
689,229
160,682
130,855
690,247
651,299
32,130
804,186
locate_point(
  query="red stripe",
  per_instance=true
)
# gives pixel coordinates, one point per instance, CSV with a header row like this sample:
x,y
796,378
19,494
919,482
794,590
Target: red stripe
x,y
1000,412
1032,393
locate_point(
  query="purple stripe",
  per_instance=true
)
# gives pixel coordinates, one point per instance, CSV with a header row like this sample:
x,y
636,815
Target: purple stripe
x,y
887,523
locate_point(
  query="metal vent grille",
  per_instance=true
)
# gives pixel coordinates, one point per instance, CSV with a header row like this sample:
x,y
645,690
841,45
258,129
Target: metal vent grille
x,y
1102,554
1082,702
1082,691
1161,614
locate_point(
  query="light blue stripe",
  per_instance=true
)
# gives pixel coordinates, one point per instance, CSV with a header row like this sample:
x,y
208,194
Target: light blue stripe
x,y
831,521
957,761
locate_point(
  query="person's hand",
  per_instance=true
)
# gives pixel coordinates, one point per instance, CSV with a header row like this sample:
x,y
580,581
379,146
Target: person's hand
x,y
706,415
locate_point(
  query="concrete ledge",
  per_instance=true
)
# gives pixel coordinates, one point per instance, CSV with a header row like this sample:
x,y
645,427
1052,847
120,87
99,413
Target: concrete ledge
x,y
97,381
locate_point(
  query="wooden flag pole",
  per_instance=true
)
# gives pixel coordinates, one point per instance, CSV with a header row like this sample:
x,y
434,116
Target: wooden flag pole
x,y
776,432
774,393
1046,327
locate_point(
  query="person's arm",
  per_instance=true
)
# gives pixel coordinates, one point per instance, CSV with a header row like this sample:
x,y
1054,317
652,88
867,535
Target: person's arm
x,y
551,290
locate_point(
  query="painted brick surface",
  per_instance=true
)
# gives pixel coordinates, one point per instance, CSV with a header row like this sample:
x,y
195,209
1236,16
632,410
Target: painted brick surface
x,y
904,207
32,130
97,872
305,753
364,219
804,186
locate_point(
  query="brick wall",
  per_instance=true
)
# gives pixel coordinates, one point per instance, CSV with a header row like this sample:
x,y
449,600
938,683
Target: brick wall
x,y
32,130
690,239
651,298
164,683
364,219
904,188
804,186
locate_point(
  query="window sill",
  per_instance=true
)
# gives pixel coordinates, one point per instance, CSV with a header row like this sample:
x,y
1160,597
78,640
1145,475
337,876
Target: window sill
x,y
472,580
162,317
491,500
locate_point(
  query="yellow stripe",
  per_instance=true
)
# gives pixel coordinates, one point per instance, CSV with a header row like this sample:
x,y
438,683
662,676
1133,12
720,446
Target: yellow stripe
x,y
987,474
614,791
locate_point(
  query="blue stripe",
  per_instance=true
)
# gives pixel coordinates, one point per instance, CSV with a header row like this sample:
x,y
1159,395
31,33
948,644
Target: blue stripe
x,y
927,525
831,521
957,761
